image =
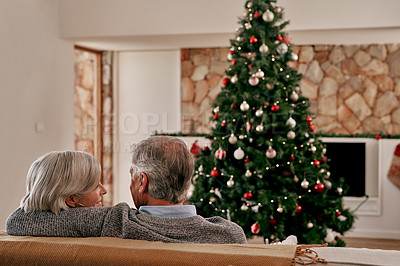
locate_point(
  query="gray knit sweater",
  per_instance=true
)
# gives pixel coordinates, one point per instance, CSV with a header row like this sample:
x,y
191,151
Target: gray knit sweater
x,y
123,222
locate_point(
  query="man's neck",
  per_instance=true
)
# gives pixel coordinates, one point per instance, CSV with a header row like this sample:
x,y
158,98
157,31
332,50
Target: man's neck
x,y
160,202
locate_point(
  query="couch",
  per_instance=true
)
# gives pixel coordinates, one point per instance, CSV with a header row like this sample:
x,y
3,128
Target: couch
x,y
26,250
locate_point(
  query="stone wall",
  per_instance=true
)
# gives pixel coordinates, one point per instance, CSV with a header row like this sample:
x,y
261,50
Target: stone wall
x,y
352,89
93,119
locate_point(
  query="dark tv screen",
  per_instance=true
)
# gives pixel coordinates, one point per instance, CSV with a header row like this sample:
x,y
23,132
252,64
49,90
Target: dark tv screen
x,y
348,160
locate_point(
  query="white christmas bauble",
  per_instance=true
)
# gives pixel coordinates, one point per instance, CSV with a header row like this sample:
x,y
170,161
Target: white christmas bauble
x,y
295,179
232,139
249,5
253,80
291,122
201,168
295,57
189,194
244,207
305,184
216,110
244,106
310,225
247,25
294,96
268,16
282,48
234,79
241,136
259,112
229,56
328,174
230,183
291,134
212,199
279,209
238,154
328,184
263,48
278,9
260,128
255,208
324,151
329,236
271,153
340,190
251,140
297,89
248,173
260,73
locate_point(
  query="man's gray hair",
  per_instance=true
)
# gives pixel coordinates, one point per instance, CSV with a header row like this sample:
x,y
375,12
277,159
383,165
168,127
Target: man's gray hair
x,y
168,165
57,175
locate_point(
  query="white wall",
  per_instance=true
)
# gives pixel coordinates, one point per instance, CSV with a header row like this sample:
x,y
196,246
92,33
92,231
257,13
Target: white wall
x,y
148,85
36,85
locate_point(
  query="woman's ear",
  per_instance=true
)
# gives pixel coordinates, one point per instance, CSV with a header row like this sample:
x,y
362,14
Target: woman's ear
x,y
70,201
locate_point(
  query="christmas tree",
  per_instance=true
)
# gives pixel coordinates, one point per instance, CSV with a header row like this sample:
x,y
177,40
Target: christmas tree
x,y
266,168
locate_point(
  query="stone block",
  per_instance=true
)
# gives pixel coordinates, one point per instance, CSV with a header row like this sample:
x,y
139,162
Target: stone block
x,y
201,91
308,89
306,54
394,62
321,48
321,57
296,49
393,47
362,58
327,105
392,129
357,104
199,73
314,72
351,124
337,55
321,121
214,91
184,54
187,90
373,125
292,64
189,111
385,104
313,106
397,88
376,67
328,128
212,80
328,87
88,75
370,92
356,83
384,82
325,65
186,68
343,113
85,145
349,50
339,130
222,54
349,67
386,119
201,59
219,68
302,69
378,51
334,72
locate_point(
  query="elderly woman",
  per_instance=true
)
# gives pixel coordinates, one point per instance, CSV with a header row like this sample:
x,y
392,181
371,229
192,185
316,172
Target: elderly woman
x,y
160,174
60,180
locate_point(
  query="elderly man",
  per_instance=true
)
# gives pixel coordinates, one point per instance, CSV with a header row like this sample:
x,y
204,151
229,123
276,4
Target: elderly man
x,y
160,177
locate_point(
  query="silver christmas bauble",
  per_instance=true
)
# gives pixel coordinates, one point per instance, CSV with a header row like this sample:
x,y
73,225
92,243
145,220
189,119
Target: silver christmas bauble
x,y
244,207
313,148
248,173
253,80
268,16
295,57
295,179
291,134
260,128
263,48
271,153
238,154
259,112
328,184
278,10
244,106
260,73
304,184
229,57
234,79
291,122
230,183
279,209
201,168
233,139
310,225
216,110
282,49
340,190
294,96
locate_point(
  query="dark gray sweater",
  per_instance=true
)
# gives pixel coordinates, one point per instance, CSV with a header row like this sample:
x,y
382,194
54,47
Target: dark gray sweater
x,y
123,222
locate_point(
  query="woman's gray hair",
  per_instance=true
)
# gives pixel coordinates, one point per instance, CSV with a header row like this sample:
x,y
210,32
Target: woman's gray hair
x,y
57,175
168,165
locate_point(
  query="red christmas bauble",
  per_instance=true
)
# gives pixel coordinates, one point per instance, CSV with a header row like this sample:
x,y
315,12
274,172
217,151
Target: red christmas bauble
x,y
338,213
272,221
214,172
248,195
308,119
225,81
323,159
279,38
216,117
257,15
311,127
292,157
275,108
231,52
255,228
223,124
319,187
298,208
233,62
316,162
220,154
246,160
253,39
286,39
250,65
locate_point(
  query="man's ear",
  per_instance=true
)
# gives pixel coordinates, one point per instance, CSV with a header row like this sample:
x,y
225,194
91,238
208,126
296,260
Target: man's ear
x,y
143,182
70,201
